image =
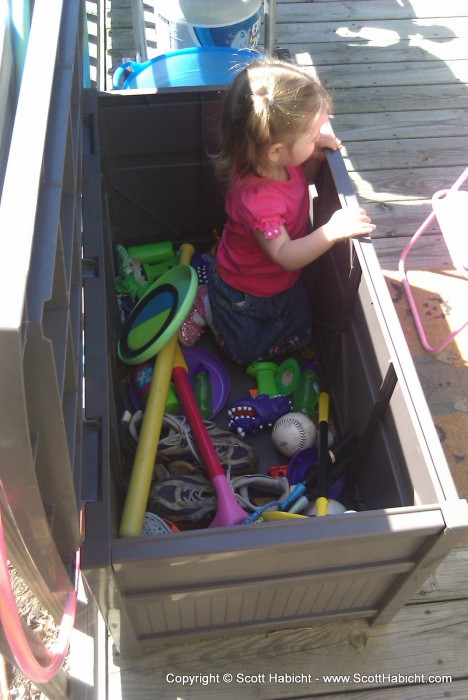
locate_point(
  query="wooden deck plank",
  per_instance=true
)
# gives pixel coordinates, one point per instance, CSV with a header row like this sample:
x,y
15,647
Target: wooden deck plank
x,y
397,98
291,10
397,218
415,49
383,74
437,152
414,124
449,582
457,690
429,254
403,184
316,31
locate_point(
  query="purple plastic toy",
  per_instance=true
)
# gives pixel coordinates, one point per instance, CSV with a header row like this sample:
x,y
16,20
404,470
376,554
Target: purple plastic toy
x,y
253,413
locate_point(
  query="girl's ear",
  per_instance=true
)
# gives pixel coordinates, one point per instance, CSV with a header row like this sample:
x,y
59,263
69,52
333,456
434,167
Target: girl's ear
x,y
274,152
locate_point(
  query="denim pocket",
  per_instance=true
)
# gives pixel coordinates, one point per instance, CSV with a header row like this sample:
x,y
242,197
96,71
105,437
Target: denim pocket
x,y
228,297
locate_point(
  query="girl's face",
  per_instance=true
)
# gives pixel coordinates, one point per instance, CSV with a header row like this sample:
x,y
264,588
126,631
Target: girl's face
x,y
303,147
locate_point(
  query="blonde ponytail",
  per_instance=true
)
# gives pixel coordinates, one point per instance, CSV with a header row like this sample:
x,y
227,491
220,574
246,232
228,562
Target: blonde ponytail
x,y
268,101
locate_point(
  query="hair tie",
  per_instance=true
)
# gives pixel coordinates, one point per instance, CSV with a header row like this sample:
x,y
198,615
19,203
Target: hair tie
x,y
270,98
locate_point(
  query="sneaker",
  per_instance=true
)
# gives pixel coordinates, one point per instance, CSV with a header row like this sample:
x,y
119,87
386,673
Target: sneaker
x,y
256,490
195,322
187,501
176,468
177,451
130,425
178,445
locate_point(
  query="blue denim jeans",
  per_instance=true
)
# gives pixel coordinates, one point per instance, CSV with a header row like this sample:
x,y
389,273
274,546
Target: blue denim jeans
x,y
250,328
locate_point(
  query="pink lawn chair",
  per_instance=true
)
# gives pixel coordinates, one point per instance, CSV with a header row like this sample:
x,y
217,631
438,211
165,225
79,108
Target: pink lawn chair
x,y
450,209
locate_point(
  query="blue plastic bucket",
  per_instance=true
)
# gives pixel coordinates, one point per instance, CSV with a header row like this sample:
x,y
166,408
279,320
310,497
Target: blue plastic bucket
x,y
195,66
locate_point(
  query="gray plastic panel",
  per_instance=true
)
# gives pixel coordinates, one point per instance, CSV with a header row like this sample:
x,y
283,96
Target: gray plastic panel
x,y
40,319
8,94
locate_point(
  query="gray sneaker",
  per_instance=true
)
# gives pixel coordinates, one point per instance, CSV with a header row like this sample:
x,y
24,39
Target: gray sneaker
x,y
178,445
188,501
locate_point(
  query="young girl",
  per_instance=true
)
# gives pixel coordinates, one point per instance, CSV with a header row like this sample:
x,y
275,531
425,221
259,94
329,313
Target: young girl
x,y
271,146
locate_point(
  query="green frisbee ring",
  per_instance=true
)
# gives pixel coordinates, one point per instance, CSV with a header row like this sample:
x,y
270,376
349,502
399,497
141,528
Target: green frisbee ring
x,y
158,315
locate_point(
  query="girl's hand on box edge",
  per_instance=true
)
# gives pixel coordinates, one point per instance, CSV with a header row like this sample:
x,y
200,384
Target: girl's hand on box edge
x,y
327,139
348,222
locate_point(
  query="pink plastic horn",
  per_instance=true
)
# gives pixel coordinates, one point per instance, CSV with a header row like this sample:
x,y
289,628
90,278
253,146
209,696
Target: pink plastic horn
x,y
228,511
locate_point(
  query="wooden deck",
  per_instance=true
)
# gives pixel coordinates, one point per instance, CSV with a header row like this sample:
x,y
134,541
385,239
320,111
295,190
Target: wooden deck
x,y
398,71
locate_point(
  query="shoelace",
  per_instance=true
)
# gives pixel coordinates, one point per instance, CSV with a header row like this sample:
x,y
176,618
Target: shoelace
x,y
189,495
180,427
179,430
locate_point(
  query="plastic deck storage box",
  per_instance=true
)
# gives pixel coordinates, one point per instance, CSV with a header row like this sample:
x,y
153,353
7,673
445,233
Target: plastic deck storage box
x,y
133,168
150,154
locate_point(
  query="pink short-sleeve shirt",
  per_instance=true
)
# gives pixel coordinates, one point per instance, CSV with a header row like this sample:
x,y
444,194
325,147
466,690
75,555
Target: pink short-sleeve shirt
x,y
259,203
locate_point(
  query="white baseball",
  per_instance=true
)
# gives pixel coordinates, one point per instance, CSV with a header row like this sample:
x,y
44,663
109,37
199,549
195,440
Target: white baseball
x,y
293,432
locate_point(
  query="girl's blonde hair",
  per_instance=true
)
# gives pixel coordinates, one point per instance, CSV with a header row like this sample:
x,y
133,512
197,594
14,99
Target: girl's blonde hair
x,y
269,101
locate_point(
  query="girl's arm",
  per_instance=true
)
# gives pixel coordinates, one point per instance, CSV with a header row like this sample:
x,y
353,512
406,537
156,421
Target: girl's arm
x,y
295,254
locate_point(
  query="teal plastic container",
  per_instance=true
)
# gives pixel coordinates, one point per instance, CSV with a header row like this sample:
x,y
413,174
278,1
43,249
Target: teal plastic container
x,y
194,66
